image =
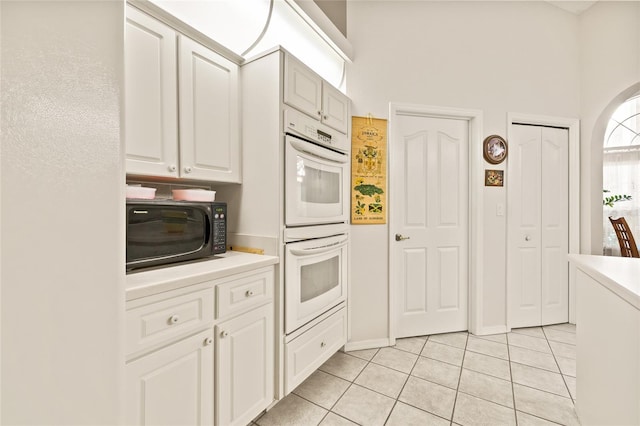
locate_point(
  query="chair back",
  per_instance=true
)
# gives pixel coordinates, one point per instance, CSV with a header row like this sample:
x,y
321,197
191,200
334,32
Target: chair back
x,y
628,247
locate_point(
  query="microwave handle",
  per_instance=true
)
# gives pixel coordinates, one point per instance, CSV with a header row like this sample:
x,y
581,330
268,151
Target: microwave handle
x,y
317,151
318,250
209,227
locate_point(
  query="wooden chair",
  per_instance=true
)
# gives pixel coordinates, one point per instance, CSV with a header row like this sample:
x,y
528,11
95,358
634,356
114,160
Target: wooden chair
x,y
628,247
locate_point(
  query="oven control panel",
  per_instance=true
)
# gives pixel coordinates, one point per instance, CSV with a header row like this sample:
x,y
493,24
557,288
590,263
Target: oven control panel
x,y
301,124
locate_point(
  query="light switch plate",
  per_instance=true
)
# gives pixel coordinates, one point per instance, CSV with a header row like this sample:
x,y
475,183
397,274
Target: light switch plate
x,y
500,209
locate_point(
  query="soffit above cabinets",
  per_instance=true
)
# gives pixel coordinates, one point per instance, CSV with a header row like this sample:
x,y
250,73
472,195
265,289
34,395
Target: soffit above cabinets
x,y
576,7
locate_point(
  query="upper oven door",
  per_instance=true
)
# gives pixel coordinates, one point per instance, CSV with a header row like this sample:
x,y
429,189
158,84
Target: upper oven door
x,y
316,184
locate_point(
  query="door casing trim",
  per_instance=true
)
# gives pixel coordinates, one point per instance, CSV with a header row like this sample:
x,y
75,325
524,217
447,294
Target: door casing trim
x,y
476,182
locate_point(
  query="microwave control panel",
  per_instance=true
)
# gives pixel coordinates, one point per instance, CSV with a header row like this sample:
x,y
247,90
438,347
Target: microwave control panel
x,y
219,228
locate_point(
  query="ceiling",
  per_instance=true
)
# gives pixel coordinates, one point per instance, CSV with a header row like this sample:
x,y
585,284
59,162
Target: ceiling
x,y
576,7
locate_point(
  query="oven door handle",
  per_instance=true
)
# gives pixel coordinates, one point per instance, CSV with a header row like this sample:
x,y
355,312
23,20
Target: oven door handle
x,y
319,152
318,250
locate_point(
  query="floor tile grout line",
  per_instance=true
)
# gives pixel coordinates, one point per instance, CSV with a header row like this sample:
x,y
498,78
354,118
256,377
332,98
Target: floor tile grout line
x,y
562,375
405,383
513,390
455,400
351,383
411,405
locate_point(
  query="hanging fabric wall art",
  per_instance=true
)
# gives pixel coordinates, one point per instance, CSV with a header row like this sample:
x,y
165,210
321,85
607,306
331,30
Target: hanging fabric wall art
x,y
368,170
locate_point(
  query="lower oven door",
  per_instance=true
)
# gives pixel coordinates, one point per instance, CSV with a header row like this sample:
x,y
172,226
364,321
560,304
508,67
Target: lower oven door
x,y
315,278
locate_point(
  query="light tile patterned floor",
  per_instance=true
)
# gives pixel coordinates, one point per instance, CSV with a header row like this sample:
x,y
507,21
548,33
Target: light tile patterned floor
x,y
526,377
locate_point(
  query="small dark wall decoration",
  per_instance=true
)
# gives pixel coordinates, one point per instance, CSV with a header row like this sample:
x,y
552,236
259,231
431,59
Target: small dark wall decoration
x,y
494,178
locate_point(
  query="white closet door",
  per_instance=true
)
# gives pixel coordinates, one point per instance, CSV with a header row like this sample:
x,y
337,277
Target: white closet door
x,y
523,249
555,225
537,242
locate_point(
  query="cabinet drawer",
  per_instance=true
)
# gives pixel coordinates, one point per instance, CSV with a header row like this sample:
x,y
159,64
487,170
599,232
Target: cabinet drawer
x,y
311,349
244,292
155,323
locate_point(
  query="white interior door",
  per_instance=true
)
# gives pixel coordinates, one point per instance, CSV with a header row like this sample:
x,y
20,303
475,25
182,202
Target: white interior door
x,y
430,187
538,235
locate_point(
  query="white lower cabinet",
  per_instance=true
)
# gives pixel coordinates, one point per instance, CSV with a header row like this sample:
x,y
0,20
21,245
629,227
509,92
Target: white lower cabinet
x,y
173,385
176,348
244,366
308,351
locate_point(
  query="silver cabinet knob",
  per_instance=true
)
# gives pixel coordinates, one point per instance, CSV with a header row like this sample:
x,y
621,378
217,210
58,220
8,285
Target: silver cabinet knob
x,y
249,293
174,319
208,341
324,117
172,168
224,334
527,238
320,113
323,344
188,169
399,237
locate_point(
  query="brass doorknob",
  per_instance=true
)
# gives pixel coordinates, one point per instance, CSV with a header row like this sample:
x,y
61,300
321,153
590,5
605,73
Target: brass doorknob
x,y
399,237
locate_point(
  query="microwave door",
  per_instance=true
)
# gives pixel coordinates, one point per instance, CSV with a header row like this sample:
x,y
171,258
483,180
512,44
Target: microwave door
x,y
162,234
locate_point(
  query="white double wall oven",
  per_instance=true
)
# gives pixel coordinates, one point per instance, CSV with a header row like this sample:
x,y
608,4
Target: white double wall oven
x,y
316,237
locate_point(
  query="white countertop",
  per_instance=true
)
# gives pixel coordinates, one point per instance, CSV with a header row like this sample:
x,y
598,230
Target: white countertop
x,y
619,274
146,283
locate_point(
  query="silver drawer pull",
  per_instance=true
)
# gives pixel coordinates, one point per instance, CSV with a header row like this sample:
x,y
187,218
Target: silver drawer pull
x,y
208,341
224,334
249,293
174,319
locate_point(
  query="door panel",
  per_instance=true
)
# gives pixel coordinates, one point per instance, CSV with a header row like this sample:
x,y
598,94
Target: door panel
x,y
151,87
415,300
449,158
302,89
430,268
449,259
555,226
208,96
335,108
523,276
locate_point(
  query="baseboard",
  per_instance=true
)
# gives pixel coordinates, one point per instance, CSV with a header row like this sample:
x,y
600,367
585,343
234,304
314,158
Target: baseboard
x,y
366,344
496,329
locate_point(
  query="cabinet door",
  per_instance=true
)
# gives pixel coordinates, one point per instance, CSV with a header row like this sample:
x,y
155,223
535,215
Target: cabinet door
x,y
244,366
172,386
302,88
209,112
335,108
151,114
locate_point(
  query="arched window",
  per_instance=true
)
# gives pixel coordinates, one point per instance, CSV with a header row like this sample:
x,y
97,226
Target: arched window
x,y
621,172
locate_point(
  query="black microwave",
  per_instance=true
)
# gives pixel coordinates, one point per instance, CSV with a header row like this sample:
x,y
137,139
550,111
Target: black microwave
x,y
161,232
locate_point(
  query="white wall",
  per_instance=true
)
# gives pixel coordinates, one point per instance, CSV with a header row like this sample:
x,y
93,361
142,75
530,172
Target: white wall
x,y
610,64
62,189
497,57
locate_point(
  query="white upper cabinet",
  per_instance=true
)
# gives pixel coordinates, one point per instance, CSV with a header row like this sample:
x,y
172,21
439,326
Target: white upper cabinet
x,y
192,89
306,91
302,88
335,108
209,127
151,127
